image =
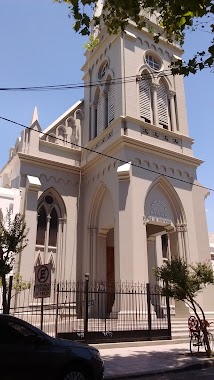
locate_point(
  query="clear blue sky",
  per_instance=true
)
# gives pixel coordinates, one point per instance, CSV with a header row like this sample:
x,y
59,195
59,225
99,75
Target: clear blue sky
x,y
39,47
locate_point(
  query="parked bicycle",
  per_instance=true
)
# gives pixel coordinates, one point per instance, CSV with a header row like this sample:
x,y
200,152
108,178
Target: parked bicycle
x,y
197,336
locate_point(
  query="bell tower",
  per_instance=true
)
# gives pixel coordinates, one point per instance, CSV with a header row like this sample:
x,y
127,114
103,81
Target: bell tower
x,y
129,89
135,119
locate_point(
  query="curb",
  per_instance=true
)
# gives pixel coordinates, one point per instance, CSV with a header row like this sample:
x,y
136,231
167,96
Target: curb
x,y
197,366
141,343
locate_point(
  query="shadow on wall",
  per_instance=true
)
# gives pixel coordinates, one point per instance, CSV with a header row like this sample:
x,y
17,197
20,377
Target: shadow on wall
x,y
123,189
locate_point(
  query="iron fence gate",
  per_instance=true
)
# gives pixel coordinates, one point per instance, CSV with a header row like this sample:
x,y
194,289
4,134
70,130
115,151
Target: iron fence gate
x,y
100,312
97,312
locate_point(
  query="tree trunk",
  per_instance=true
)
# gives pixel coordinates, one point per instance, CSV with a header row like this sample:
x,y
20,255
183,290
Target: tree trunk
x,y
4,286
202,324
4,294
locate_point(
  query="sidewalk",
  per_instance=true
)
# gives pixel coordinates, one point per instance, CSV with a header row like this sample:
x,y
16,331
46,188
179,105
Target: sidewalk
x,y
125,362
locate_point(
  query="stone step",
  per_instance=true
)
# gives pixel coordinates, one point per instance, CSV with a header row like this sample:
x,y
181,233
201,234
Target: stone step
x,y
180,328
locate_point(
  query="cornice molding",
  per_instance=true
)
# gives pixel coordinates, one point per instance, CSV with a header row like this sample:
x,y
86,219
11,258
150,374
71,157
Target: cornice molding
x,y
129,142
61,147
157,129
26,158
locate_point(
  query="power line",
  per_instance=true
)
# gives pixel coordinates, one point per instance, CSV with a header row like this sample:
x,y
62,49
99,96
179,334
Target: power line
x,y
107,156
112,81
71,86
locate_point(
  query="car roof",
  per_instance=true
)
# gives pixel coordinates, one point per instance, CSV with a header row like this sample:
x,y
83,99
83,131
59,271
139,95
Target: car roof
x,y
8,316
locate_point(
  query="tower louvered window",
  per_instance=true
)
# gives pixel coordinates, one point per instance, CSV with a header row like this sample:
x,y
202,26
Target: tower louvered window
x,y
99,114
111,104
163,116
145,100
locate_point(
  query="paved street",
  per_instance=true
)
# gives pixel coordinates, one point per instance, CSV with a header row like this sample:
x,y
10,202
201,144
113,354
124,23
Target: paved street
x,y
205,374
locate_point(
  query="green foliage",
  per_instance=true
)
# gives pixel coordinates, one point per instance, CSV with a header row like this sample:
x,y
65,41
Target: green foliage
x,y
13,239
184,281
175,17
18,284
92,43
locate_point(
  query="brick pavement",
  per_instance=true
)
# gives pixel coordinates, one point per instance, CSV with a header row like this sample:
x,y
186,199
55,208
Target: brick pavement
x,y
146,359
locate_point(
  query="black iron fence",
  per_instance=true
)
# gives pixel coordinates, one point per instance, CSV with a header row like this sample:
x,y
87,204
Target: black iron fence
x,y
23,305
97,312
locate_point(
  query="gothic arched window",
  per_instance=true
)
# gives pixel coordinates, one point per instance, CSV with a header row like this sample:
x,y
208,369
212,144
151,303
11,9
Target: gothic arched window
x,y
50,228
41,226
53,230
47,226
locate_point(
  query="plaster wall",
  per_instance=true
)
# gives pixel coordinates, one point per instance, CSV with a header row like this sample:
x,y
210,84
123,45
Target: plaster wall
x,y
10,201
67,186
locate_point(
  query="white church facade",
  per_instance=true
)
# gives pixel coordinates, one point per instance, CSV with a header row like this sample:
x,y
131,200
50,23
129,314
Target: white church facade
x,y
110,187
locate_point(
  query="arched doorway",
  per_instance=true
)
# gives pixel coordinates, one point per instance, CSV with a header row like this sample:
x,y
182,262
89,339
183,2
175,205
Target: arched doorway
x,y
101,244
165,227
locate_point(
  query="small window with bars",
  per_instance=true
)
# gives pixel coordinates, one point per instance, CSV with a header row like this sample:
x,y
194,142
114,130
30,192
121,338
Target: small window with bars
x,y
153,62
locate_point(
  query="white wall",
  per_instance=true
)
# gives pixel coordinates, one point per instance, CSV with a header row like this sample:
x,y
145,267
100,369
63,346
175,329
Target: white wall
x,y
211,244
10,201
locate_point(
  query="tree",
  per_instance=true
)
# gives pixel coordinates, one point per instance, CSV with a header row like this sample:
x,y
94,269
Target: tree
x,y
175,17
13,239
184,282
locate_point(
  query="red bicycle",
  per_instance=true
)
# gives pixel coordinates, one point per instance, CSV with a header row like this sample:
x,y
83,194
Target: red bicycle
x,y
197,336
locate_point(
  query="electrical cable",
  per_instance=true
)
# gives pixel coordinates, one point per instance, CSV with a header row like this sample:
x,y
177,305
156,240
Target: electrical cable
x,y
69,86
114,81
108,156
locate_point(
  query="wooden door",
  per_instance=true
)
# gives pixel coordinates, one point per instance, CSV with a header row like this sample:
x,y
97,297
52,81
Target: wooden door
x,y
110,278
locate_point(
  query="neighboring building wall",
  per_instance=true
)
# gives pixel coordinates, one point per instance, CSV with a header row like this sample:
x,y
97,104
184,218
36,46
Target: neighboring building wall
x,y
10,201
211,243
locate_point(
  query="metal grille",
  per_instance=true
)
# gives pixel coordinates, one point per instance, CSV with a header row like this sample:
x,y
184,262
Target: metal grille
x,y
145,100
102,312
28,308
111,104
162,100
100,114
97,312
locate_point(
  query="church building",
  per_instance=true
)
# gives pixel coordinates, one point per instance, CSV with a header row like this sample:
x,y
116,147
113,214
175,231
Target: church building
x,y
110,187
